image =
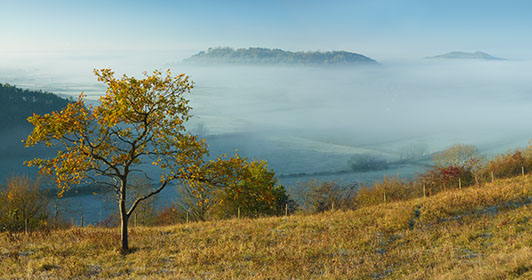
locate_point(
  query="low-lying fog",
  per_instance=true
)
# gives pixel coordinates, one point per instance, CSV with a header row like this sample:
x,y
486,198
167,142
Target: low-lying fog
x,y
313,119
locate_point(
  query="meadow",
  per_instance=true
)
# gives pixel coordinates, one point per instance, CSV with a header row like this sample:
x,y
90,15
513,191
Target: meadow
x,y
479,232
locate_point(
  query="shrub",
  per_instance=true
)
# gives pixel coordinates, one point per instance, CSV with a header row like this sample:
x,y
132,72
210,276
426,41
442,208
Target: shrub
x,y
507,165
258,194
435,180
458,155
318,197
23,206
169,216
366,162
439,179
255,193
393,188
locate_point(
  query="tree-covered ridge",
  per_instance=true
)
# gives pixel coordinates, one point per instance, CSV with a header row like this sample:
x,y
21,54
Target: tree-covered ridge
x,y
17,104
228,55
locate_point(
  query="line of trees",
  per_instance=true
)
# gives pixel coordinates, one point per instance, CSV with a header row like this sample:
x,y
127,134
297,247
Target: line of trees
x,y
456,167
17,104
25,207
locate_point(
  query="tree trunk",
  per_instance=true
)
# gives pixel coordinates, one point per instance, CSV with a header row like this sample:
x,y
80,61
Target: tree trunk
x,y
123,229
123,218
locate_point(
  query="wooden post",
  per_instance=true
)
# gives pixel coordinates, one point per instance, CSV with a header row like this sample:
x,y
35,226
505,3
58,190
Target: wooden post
x,y
286,209
332,206
135,219
239,212
187,217
385,197
424,191
522,170
81,221
56,212
459,183
492,177
26,225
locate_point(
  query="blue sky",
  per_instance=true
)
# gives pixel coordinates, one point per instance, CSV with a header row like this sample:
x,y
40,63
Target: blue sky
x,y
372,27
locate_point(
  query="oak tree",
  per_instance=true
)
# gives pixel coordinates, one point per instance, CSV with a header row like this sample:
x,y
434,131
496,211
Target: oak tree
x,y
137,122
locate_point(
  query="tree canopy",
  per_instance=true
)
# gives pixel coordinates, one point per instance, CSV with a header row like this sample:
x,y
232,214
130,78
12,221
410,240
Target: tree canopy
x,y
458,155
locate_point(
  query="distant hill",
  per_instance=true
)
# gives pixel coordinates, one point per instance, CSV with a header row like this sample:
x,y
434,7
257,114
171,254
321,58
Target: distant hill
x,y
16,105
467,55
277,56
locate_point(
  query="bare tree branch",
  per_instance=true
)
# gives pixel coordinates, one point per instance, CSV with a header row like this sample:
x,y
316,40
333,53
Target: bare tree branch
x,y
138,200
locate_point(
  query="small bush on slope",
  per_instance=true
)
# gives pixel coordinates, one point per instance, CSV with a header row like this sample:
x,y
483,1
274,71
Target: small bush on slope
x,y
23,206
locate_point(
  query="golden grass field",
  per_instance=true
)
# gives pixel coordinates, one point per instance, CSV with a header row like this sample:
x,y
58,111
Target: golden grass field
x,y
481,232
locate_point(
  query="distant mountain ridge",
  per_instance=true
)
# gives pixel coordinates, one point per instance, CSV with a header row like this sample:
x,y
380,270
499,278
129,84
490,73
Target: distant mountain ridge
x,y
226,55
17,104
467,55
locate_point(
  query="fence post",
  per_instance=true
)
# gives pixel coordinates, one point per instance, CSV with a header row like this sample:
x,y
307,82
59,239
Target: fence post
x,y
459,183
522,170
332,206
384,197
424,191
492,177
26,225
187,217
286,209
135,219
239,212
81,221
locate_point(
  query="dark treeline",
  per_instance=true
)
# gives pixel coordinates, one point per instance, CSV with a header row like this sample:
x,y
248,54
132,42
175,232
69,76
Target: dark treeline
x,y
228,55
17,104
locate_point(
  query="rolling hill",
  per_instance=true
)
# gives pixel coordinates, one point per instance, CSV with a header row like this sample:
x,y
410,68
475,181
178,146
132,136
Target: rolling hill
x,y
467,55
264,56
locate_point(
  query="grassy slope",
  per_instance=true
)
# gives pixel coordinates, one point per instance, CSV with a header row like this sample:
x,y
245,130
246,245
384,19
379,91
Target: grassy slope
x,y
475,233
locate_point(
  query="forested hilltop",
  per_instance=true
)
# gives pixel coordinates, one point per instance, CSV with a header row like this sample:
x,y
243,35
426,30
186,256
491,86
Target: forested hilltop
x,y
17,104
226,55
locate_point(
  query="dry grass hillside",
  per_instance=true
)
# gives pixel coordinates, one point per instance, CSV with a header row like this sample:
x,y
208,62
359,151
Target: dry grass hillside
x,y
481,232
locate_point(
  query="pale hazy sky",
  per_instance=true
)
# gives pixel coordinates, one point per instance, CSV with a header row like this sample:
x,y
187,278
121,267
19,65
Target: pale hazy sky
x,y
377,28
54,45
